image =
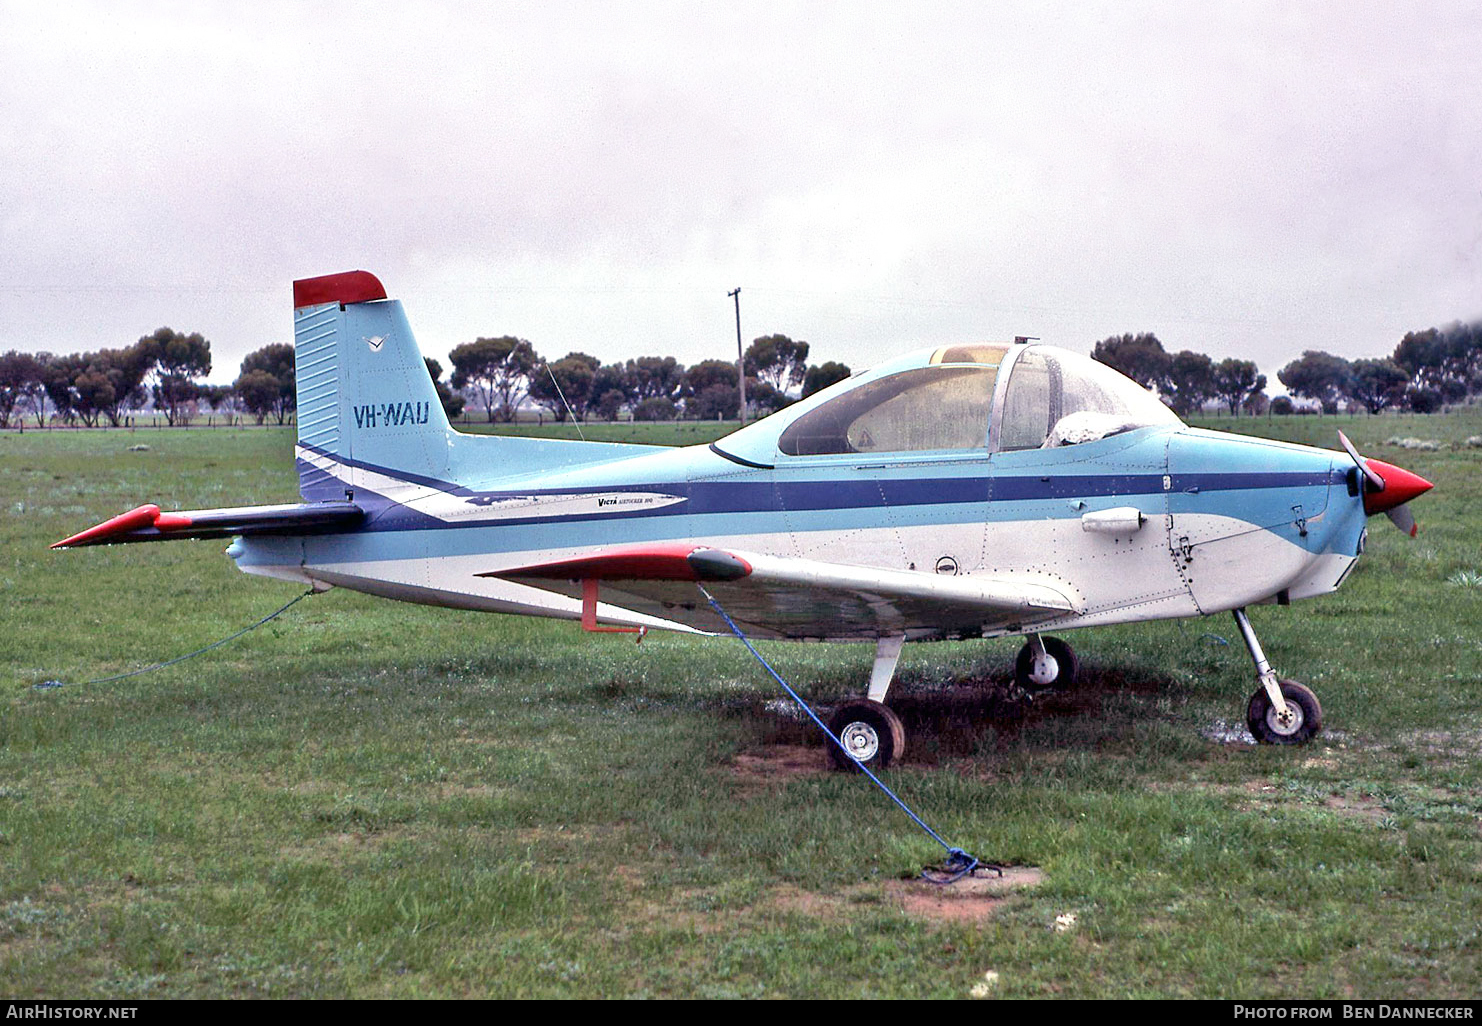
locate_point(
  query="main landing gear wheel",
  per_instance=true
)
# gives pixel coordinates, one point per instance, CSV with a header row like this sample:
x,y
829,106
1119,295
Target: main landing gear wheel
x,y
872,733
1303,719
1058,670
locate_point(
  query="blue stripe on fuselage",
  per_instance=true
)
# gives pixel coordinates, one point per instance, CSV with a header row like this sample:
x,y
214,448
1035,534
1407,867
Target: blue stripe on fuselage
x,y
709,498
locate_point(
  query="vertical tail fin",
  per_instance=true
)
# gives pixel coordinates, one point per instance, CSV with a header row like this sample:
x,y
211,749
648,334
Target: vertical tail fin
x,y
367,407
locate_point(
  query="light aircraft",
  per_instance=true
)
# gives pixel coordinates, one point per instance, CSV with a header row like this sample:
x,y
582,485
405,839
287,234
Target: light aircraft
x,y
959,492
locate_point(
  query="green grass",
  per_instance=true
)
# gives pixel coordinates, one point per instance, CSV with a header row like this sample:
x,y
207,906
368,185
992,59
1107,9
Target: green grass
x,y
369,799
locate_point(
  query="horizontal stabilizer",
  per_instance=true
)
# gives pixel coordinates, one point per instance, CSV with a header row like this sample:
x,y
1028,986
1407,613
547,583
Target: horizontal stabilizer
x,y
147,523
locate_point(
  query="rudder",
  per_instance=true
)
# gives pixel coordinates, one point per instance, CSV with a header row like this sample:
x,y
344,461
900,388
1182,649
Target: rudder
x,y
367,406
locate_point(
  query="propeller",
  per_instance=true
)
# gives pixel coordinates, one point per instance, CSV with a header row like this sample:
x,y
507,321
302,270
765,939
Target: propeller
x,y
1387,489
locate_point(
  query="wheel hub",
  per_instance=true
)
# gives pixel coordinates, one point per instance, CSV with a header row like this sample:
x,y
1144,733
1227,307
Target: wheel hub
x,y
860,740
1045,669
1288,722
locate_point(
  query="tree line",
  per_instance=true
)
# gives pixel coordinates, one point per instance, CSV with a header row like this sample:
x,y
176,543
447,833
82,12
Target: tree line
x,y
1428,370
500,376
89,388
496,376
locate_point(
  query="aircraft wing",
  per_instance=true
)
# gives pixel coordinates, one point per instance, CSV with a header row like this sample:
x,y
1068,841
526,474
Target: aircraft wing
x,y
781,597
147,523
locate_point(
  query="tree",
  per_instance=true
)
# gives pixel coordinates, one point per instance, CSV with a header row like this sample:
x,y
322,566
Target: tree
x,y
1424,400
655,408
1317,375
125,370
87,387
591,361
218,396
58,374
94,394
717,378
714,402
762,398
776,360
20,378
177,360
1256,404
1235,381
653,377
1141,357
706,373
277,359
822,376
257,391
1190,381
1446,360
613,377
610,403
498,370
451,401
267,384
565,383
1423,356
1377,383
33,395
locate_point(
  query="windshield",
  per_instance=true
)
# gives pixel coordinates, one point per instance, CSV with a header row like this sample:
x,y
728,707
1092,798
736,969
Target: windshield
x,y
1055,398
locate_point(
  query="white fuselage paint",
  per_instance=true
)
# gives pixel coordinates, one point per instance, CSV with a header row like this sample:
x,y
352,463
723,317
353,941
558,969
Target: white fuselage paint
x,y
1114,577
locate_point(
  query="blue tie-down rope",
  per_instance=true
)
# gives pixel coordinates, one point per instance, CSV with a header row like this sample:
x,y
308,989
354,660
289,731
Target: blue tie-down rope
x,y
48,684
958,863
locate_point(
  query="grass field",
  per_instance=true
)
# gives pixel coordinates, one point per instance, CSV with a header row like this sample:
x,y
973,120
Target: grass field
x,y
369,799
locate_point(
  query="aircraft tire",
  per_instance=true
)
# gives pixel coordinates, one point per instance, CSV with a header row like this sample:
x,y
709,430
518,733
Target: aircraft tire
x,y
1063,654
873,733
1260,716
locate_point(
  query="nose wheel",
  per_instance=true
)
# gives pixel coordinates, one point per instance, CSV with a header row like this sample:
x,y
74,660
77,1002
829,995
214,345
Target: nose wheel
x,y
1301,720
1281,712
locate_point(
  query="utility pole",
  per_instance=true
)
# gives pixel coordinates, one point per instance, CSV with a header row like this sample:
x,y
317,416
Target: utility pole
x,y
740,356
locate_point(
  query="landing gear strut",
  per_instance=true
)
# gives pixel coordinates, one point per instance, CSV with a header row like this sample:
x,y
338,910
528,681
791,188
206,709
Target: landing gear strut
x,y
1281,712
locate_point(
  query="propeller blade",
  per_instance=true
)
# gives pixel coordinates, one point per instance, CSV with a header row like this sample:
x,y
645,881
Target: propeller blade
x,y
1375,480
1404,519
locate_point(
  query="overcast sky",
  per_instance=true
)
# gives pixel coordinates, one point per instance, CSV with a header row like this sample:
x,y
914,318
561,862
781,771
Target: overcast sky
x,y
1243,179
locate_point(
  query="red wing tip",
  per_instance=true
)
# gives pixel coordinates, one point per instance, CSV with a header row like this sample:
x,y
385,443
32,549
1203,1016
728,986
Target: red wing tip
x,y
682,561
139,516
136,519
343,288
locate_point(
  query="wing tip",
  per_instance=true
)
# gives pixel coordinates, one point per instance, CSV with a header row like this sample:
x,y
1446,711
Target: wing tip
x,y
665,562
135,519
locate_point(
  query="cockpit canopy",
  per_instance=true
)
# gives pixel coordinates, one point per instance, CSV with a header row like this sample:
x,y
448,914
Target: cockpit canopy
x,y
982,397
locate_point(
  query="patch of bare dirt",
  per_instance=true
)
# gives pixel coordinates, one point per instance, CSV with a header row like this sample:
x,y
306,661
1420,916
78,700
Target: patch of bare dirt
x,y
969,900
947,719
585,834
333,847
1362,806
793,899
774,763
